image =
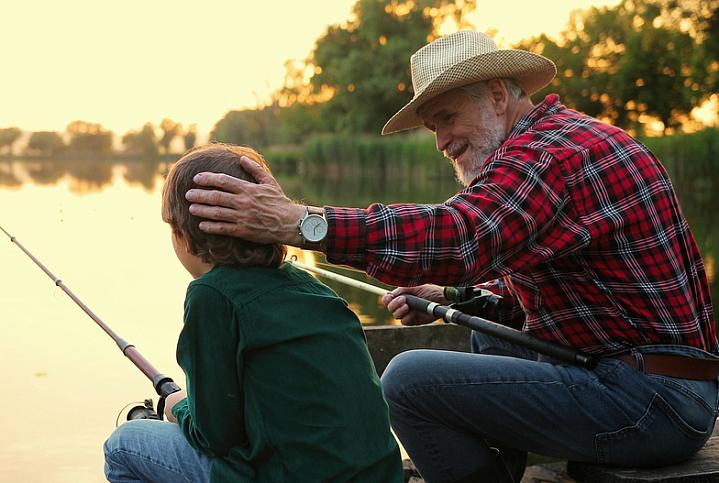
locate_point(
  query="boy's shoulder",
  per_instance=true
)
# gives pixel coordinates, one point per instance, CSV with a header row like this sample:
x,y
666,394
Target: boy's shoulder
x,y
244,283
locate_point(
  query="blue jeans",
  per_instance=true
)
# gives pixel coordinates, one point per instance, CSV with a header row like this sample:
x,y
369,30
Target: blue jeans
x,y
444,406
146,450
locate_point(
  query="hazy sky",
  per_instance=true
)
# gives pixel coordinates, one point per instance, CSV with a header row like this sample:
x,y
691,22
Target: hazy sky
x,y
124,63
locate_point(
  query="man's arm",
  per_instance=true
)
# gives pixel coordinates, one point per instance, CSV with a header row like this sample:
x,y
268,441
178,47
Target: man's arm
x,y
513,217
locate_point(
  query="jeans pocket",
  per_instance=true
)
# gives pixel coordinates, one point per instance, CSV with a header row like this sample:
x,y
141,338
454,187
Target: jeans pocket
x,y
659,437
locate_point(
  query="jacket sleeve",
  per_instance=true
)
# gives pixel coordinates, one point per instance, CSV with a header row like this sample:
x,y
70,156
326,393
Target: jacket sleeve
x,y
212,415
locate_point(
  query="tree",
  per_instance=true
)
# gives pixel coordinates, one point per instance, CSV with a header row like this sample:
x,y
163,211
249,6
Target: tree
x,y
170,130
87,137
8,136
253,127
628,63
362,66
46,143
142,143
190,137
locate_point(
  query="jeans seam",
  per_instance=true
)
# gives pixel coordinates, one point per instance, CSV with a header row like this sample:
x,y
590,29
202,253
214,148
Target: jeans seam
x,y
432,449
150,460
679,422
455,384
623,433
667,381
656,405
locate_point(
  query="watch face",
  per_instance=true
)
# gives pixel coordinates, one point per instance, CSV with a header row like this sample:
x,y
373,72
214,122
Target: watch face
x,y
314,228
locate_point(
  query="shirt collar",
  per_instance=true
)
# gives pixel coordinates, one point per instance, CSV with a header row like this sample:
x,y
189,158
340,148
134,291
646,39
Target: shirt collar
x,y
550,105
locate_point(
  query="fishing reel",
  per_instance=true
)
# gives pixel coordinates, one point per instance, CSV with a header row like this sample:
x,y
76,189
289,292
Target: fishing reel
x,y
137,410
164,387
146,410
474,301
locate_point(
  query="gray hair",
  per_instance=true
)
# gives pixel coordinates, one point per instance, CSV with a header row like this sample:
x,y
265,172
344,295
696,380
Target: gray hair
x,y
479,90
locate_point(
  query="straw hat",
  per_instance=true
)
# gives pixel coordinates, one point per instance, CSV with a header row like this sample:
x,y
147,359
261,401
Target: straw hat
x,y
463,58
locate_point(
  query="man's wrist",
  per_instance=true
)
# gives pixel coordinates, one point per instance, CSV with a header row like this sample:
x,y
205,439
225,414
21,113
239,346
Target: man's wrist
x,y
310,244
316,210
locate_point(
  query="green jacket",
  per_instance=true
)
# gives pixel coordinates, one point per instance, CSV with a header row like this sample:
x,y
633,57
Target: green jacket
x,y
280,385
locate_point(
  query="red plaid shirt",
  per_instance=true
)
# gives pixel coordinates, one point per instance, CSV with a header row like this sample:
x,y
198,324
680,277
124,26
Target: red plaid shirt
x,y
578,220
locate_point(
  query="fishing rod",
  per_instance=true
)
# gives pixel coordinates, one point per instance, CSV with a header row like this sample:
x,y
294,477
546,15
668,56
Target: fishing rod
x,y
450,315
164,385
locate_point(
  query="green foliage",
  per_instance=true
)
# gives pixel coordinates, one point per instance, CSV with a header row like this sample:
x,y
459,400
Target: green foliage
x,y
633,62
142,143
298,122
45,143
8,136
633,59
87,137
256,127
400,155
689,158
365,63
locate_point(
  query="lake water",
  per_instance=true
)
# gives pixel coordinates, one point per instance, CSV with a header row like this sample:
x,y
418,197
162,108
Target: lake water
x,y
96,226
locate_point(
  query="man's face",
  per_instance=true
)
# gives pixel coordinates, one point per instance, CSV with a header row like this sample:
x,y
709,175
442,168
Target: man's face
x,y
467,131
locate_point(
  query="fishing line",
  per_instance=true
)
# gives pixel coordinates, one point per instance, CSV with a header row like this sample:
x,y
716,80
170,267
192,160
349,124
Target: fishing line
x,y
451,315
163,384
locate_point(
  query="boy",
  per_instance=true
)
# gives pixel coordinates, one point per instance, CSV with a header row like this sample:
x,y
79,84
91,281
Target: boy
x,y
280,386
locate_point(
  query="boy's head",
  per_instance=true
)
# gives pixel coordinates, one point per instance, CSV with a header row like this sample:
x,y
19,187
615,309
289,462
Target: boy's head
x,y
208,248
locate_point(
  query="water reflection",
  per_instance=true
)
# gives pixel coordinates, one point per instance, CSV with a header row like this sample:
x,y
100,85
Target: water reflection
x,y
330,186
84,176
8,179
97,226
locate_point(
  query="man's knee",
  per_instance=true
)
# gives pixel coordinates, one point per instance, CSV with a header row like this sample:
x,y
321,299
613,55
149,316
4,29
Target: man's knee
x,y
403,371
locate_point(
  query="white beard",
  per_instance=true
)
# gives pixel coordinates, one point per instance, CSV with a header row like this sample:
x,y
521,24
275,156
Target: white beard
x,y
483,144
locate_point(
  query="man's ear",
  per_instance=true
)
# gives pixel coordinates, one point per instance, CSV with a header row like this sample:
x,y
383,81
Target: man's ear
x,y
499,95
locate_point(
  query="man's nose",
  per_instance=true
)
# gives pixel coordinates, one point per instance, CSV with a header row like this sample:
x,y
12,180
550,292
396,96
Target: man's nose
x,y
442,139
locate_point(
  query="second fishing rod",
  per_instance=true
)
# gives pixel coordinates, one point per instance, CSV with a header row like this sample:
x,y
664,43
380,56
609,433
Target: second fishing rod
x,y
448,314
164,385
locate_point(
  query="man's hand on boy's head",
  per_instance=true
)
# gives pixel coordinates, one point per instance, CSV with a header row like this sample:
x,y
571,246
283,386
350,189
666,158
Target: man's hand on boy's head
x,y
256,212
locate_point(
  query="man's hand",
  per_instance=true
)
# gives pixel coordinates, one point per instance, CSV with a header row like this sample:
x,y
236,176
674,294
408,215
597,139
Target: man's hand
x,y
256,212
400,310
170,401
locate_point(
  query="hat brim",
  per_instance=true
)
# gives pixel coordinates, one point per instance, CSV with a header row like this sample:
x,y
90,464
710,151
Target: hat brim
x,y
531,72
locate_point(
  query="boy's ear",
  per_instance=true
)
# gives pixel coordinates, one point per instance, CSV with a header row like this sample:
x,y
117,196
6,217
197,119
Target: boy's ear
x,y
182,240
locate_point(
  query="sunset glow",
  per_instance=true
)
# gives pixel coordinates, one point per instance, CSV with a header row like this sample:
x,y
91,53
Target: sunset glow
x,y
128,63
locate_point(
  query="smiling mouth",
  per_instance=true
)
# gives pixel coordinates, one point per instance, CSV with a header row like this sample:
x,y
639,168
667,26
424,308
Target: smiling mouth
x,y
455,151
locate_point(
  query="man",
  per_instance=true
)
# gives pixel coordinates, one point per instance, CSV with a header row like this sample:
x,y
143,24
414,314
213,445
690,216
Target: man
x,y
575,223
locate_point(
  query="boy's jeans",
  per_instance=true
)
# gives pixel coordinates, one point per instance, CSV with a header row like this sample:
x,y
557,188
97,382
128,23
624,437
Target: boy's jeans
x,y
146,450
444,405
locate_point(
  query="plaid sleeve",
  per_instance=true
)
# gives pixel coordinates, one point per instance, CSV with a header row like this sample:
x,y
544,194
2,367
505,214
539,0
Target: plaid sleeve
x,y
512,216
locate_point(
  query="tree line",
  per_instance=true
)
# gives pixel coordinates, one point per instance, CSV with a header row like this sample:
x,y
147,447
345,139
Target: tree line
x,y
636,62
631,64
82,137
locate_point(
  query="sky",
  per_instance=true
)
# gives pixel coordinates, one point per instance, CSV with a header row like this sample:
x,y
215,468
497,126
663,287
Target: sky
x,y
125,63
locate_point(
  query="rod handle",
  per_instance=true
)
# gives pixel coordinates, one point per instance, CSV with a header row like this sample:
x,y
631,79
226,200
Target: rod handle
x,y
164,385
448,314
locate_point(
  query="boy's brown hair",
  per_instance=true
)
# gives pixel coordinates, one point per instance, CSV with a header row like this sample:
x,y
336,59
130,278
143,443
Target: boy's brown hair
x,y
217,249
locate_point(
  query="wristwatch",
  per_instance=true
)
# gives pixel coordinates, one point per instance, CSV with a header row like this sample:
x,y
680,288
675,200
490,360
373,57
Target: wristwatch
x,y
312,228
